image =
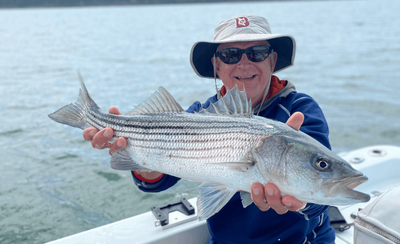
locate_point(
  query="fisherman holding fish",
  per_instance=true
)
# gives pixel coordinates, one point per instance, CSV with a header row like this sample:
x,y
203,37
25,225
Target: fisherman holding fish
x,y
246,54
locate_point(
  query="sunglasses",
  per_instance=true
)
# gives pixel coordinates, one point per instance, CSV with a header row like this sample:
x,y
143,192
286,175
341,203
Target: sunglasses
x,y
234,55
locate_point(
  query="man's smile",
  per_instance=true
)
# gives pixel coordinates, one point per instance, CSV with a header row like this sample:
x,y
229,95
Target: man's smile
x,y
243,78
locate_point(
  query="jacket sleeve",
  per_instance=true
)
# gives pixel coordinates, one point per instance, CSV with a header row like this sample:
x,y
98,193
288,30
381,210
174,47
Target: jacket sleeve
x,y
166,181
315,126
314,123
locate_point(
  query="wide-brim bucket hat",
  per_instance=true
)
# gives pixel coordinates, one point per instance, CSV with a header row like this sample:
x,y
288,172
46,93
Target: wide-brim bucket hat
x,y
243,28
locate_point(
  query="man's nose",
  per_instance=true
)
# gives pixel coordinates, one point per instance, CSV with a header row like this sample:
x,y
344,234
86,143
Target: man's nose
x,y
244,60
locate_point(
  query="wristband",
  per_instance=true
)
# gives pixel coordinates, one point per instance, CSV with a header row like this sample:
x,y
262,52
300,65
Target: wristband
x,y
147,180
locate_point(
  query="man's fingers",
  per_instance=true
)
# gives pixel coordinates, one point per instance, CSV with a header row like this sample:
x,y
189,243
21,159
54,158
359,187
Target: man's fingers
x,y
269,196
258,196
114,110
292,203
118,144
296,120
273,196
88,133
100,140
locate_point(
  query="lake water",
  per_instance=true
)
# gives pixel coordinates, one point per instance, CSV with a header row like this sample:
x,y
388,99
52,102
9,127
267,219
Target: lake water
x,y
54,184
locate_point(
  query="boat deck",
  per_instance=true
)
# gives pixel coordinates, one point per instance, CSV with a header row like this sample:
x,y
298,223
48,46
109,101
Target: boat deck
x,y
380,163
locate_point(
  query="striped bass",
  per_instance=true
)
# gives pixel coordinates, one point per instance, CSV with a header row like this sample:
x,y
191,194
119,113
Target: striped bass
x,y
224,147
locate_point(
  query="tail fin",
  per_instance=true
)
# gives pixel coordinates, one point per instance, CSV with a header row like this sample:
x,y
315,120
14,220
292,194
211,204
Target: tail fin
x,y
74,113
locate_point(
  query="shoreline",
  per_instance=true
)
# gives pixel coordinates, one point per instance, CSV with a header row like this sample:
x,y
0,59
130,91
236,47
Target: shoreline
x,y
104,3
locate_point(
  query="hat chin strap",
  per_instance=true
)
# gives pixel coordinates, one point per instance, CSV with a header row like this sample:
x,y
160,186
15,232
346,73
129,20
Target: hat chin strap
x,y
269,82
215,79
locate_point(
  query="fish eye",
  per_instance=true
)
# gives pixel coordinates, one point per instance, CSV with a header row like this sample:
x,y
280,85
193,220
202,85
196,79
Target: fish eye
x,y
322,164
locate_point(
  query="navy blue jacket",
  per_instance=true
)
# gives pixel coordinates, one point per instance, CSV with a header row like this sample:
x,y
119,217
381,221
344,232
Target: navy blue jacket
x,y
235,224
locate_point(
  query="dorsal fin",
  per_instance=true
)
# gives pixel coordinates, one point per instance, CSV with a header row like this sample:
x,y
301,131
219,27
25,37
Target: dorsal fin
x,y
160,102
233,103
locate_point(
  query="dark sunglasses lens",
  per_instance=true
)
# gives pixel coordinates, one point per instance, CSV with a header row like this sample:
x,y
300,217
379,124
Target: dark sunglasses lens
x,y
258,53
230,55
254,54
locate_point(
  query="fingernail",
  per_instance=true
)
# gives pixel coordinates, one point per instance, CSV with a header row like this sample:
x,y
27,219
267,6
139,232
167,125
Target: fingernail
x,y
289,204
119,143
256,191
270,191
100,146
106,134
91,133
302,207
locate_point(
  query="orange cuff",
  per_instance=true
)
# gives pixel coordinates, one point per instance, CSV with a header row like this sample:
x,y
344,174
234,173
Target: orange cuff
x,y
147,180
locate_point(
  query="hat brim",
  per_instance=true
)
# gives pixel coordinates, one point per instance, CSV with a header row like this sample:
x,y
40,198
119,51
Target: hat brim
x,y
202,52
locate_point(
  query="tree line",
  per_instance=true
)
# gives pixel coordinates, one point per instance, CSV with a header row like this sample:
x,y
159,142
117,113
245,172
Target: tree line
x,y
74,3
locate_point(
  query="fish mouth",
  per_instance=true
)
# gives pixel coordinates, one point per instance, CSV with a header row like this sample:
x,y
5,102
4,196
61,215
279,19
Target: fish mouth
x,y
344,187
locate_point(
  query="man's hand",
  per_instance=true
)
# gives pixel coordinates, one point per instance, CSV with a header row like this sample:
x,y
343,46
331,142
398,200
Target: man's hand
x,y
100,139
269,196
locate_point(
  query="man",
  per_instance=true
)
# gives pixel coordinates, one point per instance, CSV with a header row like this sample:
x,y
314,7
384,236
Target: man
x,y
244,52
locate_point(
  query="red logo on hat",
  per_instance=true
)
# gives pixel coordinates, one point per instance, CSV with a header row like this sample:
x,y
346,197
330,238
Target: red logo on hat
x,y
242,22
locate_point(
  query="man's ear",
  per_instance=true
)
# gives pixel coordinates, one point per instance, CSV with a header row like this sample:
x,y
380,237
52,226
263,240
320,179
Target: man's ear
x,y
216,63
274,58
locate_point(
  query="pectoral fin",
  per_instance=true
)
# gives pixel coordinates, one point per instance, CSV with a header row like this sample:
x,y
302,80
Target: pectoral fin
x,y
237,166
212,198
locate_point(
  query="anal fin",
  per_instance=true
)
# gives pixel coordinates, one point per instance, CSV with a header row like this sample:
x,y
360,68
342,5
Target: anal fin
x,y
121,160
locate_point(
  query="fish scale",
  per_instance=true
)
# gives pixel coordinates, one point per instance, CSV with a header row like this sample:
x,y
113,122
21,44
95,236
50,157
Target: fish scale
x,y
224,147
